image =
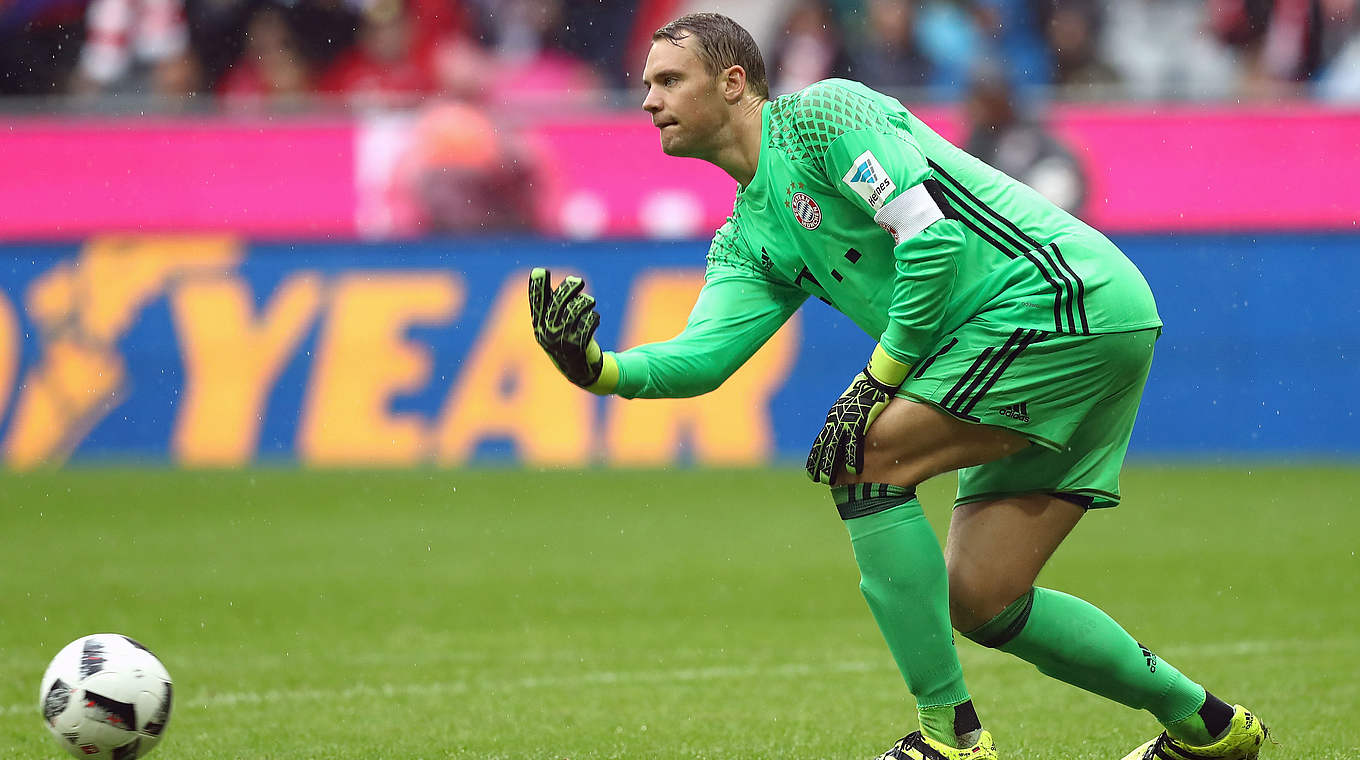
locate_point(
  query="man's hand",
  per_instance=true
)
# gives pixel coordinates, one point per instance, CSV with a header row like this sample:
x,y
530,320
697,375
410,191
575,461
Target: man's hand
x,y
840,445
564,323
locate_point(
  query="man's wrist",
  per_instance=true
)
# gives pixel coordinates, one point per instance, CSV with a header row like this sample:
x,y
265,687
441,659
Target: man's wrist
x,y
608,380
887,370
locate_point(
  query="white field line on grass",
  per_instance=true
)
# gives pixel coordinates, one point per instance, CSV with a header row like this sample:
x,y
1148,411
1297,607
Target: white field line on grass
x,y
677,675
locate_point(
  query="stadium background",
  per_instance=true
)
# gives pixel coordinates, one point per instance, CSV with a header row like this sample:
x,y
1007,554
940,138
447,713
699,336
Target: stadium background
x,y
248,244
218,215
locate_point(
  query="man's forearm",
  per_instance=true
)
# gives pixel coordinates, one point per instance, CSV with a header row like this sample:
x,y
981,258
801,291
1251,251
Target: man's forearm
x,y
925,277
671,369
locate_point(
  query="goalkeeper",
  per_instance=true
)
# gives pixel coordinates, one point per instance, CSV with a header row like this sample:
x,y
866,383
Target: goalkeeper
x,y
1013,345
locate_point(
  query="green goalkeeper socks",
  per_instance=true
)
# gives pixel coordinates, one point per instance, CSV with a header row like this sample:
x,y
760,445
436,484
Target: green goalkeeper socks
x,y
1074,641
902,576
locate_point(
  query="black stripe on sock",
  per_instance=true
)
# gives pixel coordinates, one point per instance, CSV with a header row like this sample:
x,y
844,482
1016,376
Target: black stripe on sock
x,y
1017,625
1216,714
982,357
1029,338
966,719
921,370
1081,289
864,506
982,376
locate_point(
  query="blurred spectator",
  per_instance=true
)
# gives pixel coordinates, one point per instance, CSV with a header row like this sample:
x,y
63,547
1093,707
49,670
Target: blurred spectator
x,y
533,66
39,44
1015,33
549,53
1284,42
460,173
464,70
885,55
1021,147
385,66
1270,38
270,69
1339,78
1072,29
809,49
1164,49
948,35
599,35
136,46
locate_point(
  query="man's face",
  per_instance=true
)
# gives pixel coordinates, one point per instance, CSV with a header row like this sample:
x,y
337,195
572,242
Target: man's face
x,y
684,100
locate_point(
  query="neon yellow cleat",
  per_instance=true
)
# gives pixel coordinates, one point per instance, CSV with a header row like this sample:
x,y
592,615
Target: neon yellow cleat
x,y
1243,741
915,746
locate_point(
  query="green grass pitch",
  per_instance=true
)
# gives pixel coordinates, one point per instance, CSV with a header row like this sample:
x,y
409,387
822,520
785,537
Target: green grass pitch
x,y
597,614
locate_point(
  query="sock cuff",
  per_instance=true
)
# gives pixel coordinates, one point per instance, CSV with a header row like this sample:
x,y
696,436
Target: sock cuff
x,y
1008,623
864,499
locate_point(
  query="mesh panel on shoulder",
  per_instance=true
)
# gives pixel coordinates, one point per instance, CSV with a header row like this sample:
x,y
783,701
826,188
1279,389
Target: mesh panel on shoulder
x,y
805,123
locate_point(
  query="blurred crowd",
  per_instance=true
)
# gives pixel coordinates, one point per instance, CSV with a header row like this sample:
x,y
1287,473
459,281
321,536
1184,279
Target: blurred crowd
x,y
545,53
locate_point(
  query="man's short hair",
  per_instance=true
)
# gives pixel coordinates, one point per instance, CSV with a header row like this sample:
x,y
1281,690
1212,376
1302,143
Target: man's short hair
x,y
722,43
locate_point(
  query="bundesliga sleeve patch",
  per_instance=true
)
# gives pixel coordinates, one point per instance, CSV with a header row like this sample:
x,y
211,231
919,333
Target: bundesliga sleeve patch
x,y
868,178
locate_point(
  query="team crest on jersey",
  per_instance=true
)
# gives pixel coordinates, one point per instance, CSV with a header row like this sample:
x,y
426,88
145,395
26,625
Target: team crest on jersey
x,y
806,210
868,178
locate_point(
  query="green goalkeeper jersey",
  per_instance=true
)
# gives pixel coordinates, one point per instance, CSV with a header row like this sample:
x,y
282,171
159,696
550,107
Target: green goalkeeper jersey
x,y
856,202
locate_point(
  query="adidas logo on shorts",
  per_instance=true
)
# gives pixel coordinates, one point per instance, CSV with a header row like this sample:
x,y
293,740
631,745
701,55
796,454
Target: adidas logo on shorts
x,y
1015,411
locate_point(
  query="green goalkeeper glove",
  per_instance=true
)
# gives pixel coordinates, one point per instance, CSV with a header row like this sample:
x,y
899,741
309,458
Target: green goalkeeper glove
x,y
564,324
840,445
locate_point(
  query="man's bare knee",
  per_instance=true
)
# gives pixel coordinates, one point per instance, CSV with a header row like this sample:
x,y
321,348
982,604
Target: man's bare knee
x,y
975,596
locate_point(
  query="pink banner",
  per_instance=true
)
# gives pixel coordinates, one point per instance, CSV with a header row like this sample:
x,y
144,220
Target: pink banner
x,y
1149,168
1186,168
70,179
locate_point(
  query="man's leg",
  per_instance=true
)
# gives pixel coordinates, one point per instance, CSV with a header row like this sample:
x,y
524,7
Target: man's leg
x,y
995,551
902,570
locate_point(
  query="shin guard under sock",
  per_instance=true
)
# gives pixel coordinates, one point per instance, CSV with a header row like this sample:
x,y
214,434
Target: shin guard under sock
x,y
902,577
1074,641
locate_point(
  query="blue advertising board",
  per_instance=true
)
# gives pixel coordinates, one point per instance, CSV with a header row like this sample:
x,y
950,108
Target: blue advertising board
x,y
212,351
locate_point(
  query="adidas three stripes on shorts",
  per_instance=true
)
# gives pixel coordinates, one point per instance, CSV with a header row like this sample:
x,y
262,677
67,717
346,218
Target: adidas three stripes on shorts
x,y
1074,396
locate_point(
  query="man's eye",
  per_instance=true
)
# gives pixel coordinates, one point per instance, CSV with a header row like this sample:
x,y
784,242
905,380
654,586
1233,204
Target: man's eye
x,y
670,81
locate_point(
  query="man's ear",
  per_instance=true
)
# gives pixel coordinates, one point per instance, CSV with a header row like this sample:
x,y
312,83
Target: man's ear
x,y
733,84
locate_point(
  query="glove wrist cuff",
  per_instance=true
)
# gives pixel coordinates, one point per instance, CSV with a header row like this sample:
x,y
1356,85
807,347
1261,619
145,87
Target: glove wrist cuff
x,y
608,380
886,370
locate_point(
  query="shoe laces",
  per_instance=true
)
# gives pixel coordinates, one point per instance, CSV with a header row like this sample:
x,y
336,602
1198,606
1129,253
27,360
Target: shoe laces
x,y
1167,748
915,741
1153,751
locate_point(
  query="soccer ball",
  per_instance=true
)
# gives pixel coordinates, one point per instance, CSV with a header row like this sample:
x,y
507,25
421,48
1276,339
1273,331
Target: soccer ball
x,y
106,697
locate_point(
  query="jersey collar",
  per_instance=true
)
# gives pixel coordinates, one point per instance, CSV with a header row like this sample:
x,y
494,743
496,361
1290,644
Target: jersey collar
x,y
754,193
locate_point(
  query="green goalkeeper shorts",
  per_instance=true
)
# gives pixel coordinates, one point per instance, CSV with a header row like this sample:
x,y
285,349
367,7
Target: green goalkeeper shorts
x,y
1074,396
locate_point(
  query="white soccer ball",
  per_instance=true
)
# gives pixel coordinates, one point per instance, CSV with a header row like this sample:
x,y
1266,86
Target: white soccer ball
x,y
106,697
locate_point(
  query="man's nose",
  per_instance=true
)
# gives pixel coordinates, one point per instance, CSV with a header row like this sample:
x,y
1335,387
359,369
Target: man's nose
x,y
651,103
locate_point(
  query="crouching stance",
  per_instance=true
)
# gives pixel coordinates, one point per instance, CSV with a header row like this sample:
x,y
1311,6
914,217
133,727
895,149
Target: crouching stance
x,y
1013,345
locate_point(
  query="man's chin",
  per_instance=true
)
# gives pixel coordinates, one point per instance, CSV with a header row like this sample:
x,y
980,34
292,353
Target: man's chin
x,y
675,148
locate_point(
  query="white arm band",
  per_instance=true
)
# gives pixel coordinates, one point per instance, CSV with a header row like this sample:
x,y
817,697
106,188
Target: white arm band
x,y
912,211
